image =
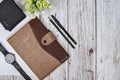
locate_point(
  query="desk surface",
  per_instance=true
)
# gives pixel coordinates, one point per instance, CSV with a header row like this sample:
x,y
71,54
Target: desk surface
x,y
95,26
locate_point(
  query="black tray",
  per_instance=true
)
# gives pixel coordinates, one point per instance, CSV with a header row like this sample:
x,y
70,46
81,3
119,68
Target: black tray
x,y
10,14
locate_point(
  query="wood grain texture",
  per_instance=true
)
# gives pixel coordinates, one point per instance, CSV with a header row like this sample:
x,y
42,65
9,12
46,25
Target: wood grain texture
x,y
78,18
59,10
108,40
81,20
97,55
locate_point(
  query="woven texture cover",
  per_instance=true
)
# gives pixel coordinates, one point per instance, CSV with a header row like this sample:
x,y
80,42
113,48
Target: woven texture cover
x,y
38,48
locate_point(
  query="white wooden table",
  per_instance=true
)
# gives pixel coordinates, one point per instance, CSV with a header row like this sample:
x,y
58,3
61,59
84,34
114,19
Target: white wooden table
x,y
95,25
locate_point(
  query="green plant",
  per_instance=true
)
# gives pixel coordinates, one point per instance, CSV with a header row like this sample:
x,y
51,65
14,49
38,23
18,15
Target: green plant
x,y
36,5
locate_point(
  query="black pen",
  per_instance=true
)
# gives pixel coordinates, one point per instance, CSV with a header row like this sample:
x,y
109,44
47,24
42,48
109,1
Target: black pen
x,y
61,32
59,24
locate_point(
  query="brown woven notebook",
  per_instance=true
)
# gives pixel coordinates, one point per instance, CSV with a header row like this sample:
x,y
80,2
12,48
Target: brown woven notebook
x,y
39,48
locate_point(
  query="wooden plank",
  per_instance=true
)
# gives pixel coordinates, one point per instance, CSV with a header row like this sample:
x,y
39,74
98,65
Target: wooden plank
x,y
81,22
108,39
10,77
13,77
6,77
59,9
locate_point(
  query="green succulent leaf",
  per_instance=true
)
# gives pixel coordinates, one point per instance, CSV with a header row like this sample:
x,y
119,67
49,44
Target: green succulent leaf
x,y
39,5
45,4
36,5
29,1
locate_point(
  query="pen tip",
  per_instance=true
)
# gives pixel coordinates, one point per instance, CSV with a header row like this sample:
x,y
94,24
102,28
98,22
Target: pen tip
x,y
52,16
